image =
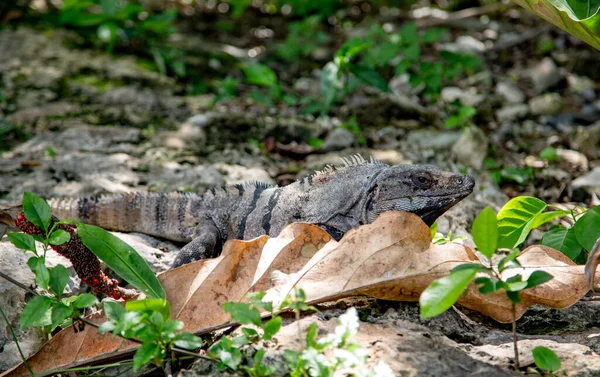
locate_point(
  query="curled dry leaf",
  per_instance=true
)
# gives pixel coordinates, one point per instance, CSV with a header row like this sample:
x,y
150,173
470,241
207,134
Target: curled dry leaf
x,y
592,264
392,259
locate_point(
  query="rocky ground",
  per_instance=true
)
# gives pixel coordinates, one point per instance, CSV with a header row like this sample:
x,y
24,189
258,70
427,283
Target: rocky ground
x,y
102,124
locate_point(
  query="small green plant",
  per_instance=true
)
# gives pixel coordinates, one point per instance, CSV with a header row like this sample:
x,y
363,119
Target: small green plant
x,y
504,174
319,357
148,321
441,239
360,60
507,231
549,154
50,309
577,241
303,38
546,360
353,126
114,24
461,116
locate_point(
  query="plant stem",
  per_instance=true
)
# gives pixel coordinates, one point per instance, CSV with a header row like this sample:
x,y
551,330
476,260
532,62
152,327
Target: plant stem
x,y
18,284
514,330
16,342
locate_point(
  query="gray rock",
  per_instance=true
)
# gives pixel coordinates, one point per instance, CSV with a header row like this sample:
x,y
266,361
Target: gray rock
x,y
511,113
572,161
586,139
233,174
338,139
193,128
472,147
580,84
546,104
510,92
545,75
590,180
576,360
13,262
465,44
467,96
428,138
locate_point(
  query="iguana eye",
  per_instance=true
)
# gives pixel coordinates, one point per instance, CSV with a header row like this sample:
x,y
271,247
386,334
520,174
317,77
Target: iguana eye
x,y
422,181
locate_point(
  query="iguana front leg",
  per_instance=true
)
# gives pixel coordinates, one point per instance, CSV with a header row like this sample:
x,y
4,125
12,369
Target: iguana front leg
x,y
206,244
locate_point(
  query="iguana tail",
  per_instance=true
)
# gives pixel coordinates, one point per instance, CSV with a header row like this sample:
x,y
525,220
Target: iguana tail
x,y
169,216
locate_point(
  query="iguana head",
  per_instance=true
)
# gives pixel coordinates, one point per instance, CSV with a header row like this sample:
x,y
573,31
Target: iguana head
x,y
424,190
345,197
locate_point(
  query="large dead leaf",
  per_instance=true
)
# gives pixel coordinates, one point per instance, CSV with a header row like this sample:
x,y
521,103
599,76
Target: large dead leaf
x,y
393,259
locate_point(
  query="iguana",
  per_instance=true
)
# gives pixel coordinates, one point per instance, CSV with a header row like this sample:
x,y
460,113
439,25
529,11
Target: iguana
x,y
336,199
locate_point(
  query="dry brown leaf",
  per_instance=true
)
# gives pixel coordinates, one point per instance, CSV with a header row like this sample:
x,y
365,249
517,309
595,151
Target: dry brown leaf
x,y
393,259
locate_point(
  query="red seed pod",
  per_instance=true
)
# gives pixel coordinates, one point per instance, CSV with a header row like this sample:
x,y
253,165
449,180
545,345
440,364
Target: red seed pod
x,y
95,281
116,295
21,217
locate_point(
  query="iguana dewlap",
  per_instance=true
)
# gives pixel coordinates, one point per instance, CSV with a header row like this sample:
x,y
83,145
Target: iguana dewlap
x,y
336,199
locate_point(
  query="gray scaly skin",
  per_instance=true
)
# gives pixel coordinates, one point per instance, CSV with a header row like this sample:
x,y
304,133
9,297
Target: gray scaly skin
x,y
335,199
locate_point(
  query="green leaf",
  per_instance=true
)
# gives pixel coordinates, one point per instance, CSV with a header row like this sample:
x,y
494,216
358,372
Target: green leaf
x,y
113,311
452,122
122,259
433,229
508,260
36,210
549,154
144,354
515,219
433,35
538,277
259,74
59,237
150,304
513,296
442,293
60,313
370,77
580,18
34,310
485,232
271,327
38,266
107,326
187,341
546,359
85,300
564,240
229,356
469,266
256,300
587,228
22,241
242,313
59,277
489,285
543,218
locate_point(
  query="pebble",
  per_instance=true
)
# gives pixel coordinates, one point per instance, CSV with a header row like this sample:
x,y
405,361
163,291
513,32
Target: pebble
x,y
546,104
472,148
511,93
591,179
572,160
511,113
338,139
545,75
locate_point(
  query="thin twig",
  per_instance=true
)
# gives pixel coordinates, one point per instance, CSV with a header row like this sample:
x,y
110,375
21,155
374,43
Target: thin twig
x,y
18,284
461,15
522,38
515,340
